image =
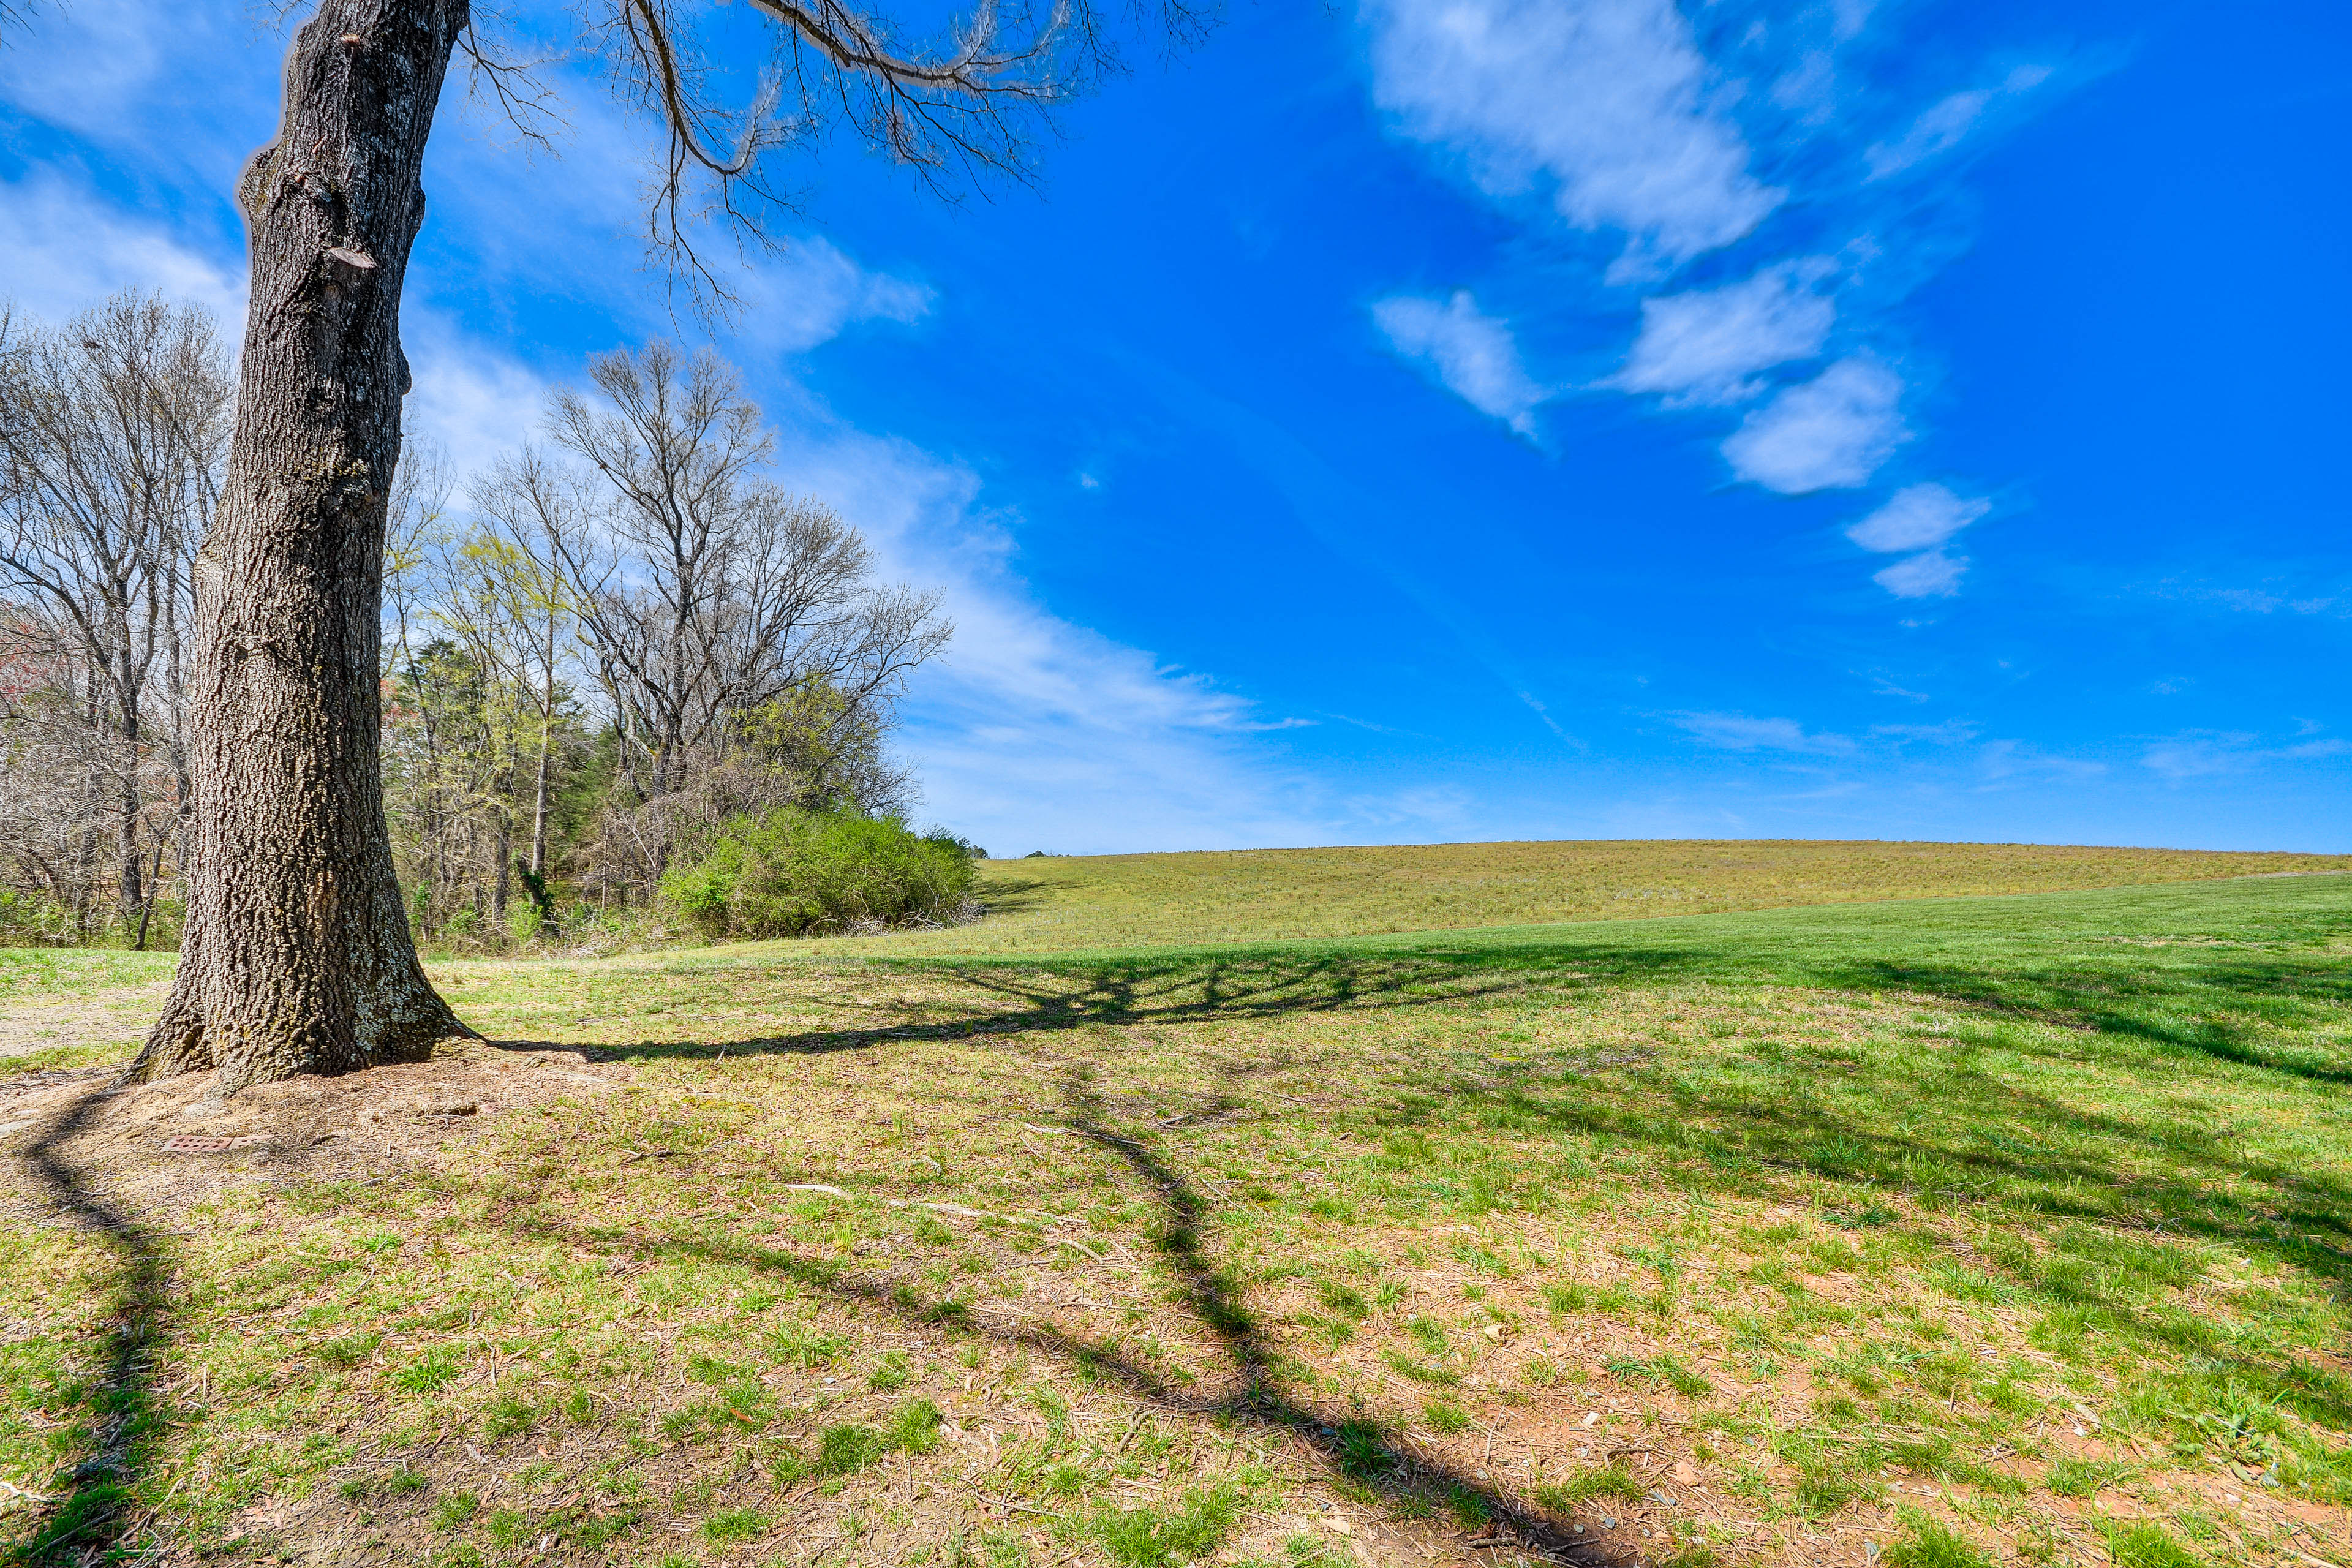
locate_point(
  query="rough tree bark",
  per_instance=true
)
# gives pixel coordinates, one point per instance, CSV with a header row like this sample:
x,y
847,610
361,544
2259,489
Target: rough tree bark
x,y
296,956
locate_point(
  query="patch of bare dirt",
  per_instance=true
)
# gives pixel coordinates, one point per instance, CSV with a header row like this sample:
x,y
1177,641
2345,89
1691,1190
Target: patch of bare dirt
x,y
160,1143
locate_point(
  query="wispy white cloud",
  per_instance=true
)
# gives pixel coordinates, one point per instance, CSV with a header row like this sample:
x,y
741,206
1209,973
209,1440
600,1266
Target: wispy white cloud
x,y
1946,123
473,402
1613,110
1609,101
1830,433
1031,731
469,401
2262,601
1921,517
1740,732
1950,732
1707,345
1473,354
1932,574
2005,761
101,69
2208,754
64,246
809,294
1429,810
2199,756
1543,711
1916,517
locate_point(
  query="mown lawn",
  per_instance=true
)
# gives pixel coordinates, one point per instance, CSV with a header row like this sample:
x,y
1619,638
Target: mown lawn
x,y
1934,1233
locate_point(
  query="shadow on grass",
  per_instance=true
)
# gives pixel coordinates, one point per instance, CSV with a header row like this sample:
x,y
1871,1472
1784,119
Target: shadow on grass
x,y
1181,989
1941,1126
1948,1131
1360,1454
2167,1007
2213,1006
88,1519
1936,1122
1015,895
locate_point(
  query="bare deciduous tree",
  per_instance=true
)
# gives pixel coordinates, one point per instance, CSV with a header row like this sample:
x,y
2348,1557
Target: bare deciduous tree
x,y
718,606
112,432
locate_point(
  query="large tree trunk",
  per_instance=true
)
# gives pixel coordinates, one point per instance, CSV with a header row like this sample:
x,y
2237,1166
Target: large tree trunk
x,y
296,956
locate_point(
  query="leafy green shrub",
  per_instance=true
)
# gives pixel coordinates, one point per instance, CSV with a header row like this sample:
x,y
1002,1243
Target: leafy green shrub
x,y
28,920
32,919
792,873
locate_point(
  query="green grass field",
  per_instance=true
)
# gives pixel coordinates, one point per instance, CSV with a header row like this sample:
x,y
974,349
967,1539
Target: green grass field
x,y
1932,1233
1132,900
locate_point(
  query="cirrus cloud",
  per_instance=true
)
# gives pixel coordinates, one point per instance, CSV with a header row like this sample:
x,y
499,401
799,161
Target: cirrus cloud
x,y
1741,732
1922,518
1830,433
1707,345
1916,517
1609,101
1473,354
1945,124
1930,576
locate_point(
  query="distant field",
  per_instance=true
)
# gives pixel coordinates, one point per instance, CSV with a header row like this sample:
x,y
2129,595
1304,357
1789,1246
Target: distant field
x,y
1084,903
1099,901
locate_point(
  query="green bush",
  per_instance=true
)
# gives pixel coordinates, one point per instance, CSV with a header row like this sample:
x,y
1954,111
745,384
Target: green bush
x,y
28,920
795,873
32,919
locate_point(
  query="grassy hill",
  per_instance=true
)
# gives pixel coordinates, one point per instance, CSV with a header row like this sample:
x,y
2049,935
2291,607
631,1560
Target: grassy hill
x,y
1938,1233
1126,900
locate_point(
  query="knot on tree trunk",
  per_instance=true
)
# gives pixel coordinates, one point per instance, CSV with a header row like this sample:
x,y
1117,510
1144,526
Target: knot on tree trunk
x,y
348,267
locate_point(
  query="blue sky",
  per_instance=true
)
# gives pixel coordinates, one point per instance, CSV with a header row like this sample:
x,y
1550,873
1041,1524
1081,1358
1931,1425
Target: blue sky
x,y
1484,418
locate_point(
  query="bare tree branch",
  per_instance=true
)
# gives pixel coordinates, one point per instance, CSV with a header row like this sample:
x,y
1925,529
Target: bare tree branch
x,y
955,113
731,625
112,432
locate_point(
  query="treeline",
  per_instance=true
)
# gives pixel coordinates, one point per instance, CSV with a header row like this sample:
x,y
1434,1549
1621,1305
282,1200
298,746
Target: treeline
x,y
623,671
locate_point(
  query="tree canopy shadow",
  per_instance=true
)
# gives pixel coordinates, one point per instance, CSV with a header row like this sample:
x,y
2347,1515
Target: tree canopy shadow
x,y
1354,1449
1963,1139
1189,988
1016,895
2170,1007
90,1517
